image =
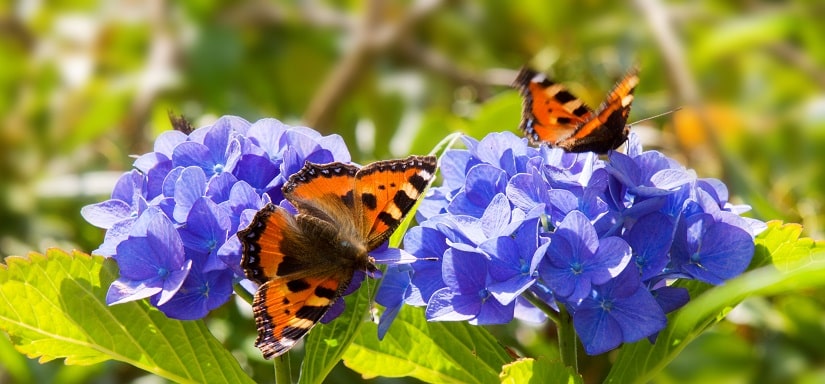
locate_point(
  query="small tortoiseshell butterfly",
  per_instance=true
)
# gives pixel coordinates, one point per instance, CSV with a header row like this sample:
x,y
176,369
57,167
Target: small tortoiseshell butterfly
x,y
304,262
553,116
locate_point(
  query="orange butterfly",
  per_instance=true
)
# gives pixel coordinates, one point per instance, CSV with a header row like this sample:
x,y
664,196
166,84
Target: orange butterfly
x,y
303,263
553,116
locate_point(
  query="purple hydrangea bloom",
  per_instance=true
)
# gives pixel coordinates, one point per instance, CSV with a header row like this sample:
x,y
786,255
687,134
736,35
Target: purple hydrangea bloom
x,y
151,261
607,237
172,221
467,295
577,258
620,310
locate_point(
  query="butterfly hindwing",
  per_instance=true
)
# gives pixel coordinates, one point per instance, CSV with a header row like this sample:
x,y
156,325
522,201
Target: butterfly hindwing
x,y
298,281
552,115
386,190
286,311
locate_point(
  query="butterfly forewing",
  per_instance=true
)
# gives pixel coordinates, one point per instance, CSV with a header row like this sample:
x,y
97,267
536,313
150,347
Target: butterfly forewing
x,y
323,190
608,128
386,191
549,111
262,240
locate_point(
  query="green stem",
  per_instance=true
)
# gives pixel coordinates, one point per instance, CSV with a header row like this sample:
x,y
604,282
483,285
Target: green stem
x,y
243,293
567,339
446,143
564,328
283,373
544,307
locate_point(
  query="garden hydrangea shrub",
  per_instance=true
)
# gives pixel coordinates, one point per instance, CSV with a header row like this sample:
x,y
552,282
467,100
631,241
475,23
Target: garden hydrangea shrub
x,y
601,238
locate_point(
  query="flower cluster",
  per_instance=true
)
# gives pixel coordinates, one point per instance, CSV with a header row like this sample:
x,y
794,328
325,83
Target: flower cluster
x,y
601,239
171,223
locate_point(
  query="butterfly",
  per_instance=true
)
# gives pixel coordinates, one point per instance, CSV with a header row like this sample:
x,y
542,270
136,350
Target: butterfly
x,y
553,116
304,262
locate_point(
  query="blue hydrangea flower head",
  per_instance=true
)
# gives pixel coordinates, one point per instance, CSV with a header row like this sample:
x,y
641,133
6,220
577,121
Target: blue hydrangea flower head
x,y
185,202
605,238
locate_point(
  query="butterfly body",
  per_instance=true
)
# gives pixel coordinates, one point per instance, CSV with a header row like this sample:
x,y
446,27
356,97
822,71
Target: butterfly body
x,y
552,115
304,262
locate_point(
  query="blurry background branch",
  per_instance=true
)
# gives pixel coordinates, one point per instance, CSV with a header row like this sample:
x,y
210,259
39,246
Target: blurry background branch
x,y
371,37
684,87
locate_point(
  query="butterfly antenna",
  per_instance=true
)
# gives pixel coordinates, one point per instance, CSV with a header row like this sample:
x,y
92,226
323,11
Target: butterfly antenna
x,y
655,116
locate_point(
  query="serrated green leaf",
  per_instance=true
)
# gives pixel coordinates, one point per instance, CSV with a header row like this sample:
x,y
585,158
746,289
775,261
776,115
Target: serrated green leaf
x,y
53,306
640,361
784,248
436,352
537,371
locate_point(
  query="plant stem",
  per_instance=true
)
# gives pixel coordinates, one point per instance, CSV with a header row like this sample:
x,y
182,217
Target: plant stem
x,y
243,293
544,307
567,339
564,328
283,373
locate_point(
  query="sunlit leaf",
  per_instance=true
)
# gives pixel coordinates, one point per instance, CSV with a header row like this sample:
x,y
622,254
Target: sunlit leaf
x,y
435,352
53,306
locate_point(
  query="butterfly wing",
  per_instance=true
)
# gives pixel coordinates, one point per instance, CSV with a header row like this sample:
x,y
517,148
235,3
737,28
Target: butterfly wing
x,y
386,190
284,313
607,128
324,191
549,111
298,283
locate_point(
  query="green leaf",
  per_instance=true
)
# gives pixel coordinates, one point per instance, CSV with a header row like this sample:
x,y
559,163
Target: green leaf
x,y
780,244
326,343
743,34
436,352
53,306
640,361
538,371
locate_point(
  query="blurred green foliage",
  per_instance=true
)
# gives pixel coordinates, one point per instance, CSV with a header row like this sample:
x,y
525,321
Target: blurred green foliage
x,y
86,84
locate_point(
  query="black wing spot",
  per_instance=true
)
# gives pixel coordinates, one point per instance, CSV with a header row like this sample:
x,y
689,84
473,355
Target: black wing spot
x,y
288,266
387,219
564,96
325,292
402,201
348,199
369,201
581,111
297,285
